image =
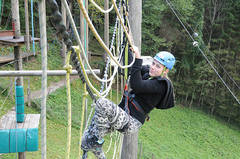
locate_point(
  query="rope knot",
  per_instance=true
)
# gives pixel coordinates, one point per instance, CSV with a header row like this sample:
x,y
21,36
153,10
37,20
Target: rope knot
x,y
68,68
85,94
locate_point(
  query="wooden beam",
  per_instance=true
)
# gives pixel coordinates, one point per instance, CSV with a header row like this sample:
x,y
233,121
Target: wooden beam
x,y
39,73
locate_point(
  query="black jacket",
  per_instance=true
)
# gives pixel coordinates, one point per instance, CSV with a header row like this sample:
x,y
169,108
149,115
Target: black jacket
x,y
149,93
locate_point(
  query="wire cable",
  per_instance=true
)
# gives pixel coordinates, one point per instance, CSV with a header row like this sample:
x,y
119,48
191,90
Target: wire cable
x,y
209,62
170,3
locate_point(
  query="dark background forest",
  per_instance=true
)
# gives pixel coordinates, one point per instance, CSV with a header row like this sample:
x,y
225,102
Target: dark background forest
x,y
217,24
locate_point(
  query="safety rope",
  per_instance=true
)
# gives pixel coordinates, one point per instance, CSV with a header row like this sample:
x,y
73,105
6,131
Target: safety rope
x,y
111,47
79,64
82,119
195,44
100,9
68,68
91,26
81,46
63,34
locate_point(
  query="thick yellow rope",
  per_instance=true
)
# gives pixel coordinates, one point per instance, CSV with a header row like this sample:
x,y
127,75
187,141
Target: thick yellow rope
x,y
68,68
82,118
130,40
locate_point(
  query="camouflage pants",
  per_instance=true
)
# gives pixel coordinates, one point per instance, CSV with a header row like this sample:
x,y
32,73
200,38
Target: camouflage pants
x,y
108,117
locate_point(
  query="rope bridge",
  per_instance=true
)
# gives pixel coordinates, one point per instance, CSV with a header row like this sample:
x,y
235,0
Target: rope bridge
x,y
75,53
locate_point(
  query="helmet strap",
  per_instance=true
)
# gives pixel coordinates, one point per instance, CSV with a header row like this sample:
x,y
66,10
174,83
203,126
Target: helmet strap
x,y
163,72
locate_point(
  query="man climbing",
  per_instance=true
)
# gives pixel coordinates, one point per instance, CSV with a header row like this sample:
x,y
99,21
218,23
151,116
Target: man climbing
x,y
151,88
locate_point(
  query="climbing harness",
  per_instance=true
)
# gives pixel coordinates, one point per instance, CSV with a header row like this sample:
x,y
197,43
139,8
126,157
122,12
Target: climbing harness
x,y
129,98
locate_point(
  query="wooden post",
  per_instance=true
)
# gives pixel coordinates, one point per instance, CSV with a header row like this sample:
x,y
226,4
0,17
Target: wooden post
x,y
43,43
16,27
27,26
17,56
64,48
27,42
106,27
130,142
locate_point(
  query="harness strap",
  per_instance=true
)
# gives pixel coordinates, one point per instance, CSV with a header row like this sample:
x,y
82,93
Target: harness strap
x,y
138,106
130,98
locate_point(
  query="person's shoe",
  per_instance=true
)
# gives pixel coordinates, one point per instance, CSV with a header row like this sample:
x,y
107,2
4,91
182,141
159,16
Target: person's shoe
x,y
92,143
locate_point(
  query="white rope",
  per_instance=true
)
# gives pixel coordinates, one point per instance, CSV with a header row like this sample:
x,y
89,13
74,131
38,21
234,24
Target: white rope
x,y
83,51
91,26
115,144
100,9
110,144
80,44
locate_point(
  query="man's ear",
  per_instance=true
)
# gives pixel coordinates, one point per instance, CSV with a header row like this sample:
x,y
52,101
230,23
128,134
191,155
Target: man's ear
x,y
165,72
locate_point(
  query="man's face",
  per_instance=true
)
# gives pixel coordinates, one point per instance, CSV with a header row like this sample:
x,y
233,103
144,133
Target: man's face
x,y
156,69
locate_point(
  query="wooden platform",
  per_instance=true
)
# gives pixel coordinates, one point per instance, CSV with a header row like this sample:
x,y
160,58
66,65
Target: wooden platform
x,y
8,121
10,58
10,41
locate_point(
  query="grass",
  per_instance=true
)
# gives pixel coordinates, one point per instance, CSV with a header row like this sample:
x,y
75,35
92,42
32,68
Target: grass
x,y
183,133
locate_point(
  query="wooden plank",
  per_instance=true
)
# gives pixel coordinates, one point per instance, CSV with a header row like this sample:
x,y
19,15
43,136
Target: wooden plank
x,y
6,33
10,41
6,59
8,121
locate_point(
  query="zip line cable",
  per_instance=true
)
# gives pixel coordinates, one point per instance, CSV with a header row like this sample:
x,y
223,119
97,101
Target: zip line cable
x,y
196,45
224,70
206,47
180,20
218,74
227,73
181,15
212,55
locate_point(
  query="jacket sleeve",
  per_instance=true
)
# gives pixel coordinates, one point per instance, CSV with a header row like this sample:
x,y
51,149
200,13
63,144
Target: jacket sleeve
x,y
144,69
144,86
